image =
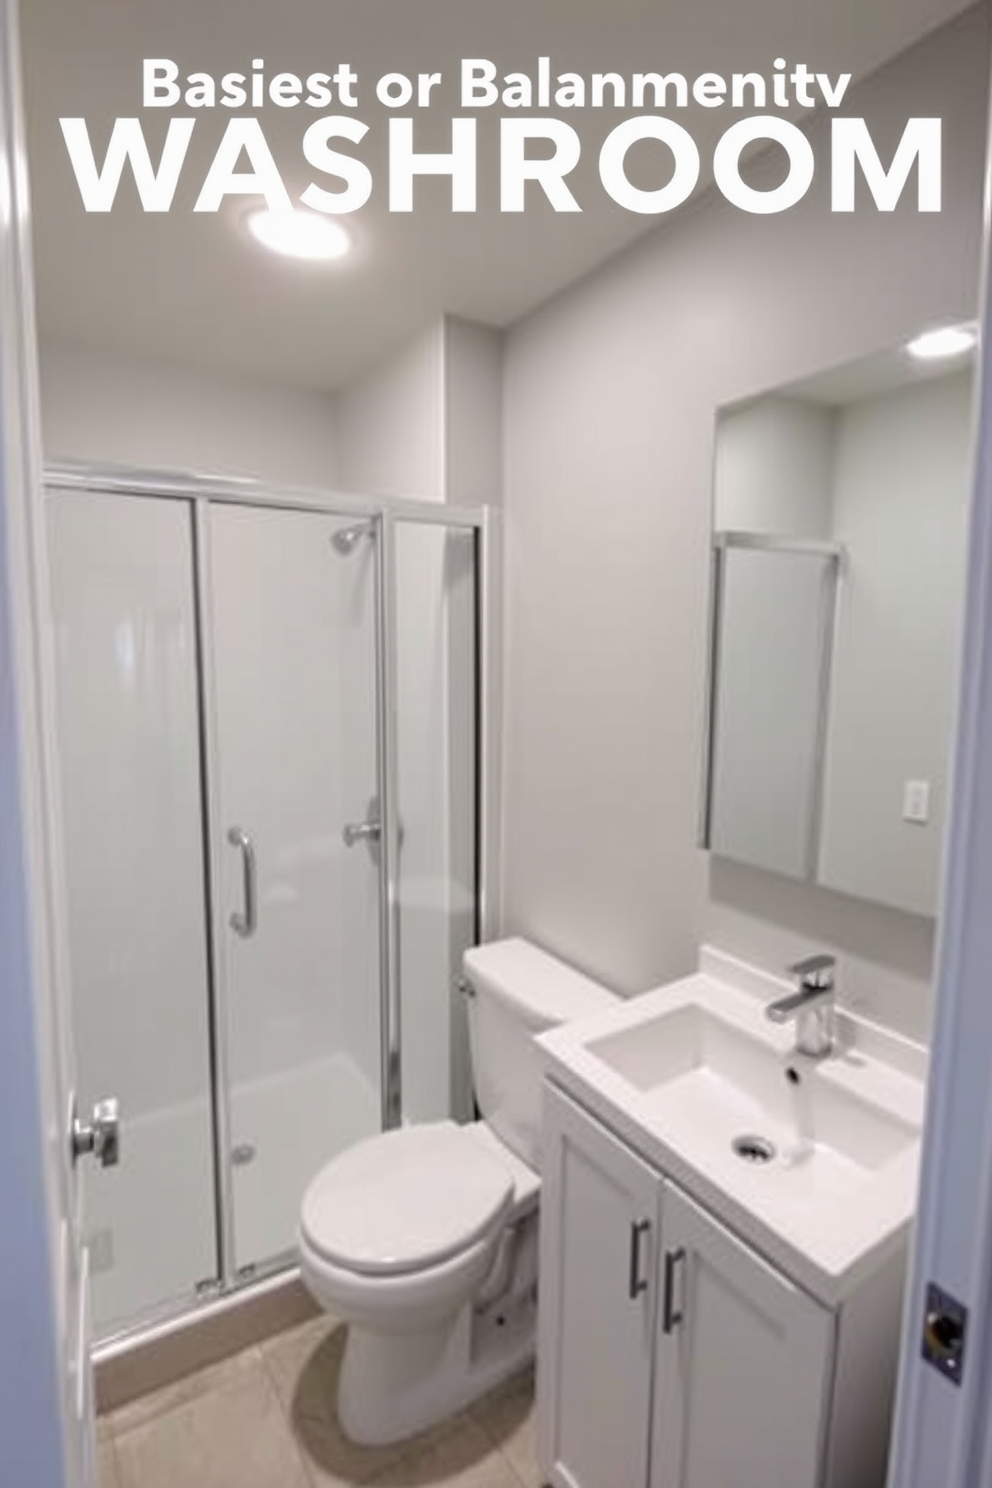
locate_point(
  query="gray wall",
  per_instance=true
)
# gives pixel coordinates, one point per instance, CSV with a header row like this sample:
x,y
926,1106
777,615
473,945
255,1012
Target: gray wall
x,y
773,468
473,404
609,402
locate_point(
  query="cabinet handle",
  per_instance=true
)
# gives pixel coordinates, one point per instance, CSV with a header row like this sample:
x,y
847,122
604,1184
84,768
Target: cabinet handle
x,y
669,1317
636,1283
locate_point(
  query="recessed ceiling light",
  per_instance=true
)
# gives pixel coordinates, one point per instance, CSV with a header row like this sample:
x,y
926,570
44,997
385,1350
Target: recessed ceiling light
x,y
299,234
948,341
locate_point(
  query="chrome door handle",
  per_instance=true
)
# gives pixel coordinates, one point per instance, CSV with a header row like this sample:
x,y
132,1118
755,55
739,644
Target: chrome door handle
x,y
636,1283
670,1318
366,831
245,924
100,1137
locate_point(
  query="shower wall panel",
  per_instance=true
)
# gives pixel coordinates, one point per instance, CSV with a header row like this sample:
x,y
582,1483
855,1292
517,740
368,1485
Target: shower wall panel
x,y
436,721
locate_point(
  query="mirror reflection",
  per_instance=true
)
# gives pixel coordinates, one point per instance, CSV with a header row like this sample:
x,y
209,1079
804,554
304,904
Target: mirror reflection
x,y
838,574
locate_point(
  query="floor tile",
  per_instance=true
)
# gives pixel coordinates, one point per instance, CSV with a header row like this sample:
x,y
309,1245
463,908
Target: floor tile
x,y
305,1364
190,1387
233,1435
507,1417
107,1463
464,1458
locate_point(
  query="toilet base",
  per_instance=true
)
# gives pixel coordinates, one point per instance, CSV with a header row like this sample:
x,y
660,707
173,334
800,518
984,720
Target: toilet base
x,y
393,1385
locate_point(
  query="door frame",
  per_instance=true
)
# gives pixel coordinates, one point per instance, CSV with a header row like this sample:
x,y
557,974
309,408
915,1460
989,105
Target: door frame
x,y
46,1404
943,1431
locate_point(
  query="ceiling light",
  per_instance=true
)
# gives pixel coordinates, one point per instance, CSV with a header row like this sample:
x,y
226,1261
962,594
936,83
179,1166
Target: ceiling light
x,y
299,234
948,341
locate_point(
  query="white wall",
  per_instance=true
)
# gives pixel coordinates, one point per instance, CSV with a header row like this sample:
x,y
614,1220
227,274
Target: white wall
x,y
428,422
610,398
119,410
901,490
473,404
391,424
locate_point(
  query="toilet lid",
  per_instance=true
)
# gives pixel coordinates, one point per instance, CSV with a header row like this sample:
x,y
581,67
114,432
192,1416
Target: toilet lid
x,y
406,1199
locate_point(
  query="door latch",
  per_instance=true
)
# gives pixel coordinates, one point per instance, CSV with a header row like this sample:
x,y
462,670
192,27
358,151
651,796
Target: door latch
x,y
944,1325
100,1138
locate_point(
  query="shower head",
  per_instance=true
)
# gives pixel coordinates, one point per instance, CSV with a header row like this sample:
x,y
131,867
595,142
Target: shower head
x,y
346,538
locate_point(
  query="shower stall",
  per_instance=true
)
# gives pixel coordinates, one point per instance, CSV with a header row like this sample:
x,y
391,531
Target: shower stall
x,y
270,736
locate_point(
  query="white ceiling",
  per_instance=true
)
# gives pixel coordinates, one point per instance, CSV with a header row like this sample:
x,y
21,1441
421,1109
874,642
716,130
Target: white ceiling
x,y
194,290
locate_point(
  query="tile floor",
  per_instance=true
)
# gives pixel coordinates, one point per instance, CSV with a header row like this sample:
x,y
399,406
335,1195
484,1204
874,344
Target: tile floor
x,y
265,1419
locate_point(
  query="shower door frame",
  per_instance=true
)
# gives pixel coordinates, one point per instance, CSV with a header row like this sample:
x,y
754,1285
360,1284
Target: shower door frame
x,y
200,492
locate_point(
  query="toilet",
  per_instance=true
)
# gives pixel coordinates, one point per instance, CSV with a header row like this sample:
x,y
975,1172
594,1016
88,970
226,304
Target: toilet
x,y
424,1239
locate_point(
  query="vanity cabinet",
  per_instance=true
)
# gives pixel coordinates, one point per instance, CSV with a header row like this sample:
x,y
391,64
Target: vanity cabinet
x,y
742,1362
597,1300
672,1355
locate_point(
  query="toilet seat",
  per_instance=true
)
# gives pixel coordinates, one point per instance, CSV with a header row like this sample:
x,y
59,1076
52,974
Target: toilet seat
x,y
405,1201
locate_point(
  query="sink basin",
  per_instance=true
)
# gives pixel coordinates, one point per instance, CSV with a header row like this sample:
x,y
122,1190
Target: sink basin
x,y
698,1071
815,1161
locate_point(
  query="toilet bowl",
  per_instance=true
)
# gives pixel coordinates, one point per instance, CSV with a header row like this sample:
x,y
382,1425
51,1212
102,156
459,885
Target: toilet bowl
x,y
402,1227
424,1239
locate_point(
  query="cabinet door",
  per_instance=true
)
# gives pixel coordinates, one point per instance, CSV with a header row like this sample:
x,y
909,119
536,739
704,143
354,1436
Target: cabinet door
x,y
742,1367
599,1211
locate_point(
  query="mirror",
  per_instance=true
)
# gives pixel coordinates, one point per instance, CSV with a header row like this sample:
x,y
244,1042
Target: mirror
x,y
838,585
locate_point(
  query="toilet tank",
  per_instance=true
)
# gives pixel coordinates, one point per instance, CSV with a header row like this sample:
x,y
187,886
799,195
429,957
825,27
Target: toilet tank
x,y
517,991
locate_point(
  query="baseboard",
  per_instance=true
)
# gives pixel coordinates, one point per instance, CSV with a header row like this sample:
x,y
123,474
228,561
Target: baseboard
x,y
170,1352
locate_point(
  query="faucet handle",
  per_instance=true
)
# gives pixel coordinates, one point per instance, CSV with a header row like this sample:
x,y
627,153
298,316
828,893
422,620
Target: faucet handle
x,y
815,971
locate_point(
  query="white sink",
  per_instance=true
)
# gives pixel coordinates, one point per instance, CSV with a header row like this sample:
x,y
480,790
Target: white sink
x,y
815,1160
696,1067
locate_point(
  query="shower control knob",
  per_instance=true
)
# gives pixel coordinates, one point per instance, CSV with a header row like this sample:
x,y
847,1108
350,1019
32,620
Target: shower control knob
x,y
99,1138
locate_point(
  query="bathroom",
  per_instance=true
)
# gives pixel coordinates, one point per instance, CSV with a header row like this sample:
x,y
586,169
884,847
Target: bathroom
x,y
515,521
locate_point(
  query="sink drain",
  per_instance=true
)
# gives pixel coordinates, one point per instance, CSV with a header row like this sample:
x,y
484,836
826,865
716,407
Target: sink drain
x,y
753,1149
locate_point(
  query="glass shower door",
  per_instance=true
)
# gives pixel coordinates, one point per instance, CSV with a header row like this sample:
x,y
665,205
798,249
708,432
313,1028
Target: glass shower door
x,y
293,611
126,667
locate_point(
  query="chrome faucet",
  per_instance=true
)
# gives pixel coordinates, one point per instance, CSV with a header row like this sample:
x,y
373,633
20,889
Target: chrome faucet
x,y
812,1005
